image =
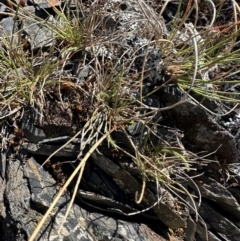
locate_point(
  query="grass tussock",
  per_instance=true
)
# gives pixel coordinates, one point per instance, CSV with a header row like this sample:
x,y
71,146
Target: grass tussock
x,y
112,96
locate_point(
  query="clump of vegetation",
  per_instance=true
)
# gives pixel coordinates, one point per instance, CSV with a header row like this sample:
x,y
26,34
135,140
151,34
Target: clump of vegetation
x,y
112,96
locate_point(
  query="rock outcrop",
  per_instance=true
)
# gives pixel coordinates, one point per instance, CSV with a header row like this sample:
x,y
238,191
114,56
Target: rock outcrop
x,y
106,207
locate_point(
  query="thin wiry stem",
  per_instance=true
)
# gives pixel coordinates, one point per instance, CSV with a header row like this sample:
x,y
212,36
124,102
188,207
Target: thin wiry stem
x,y
73,197
189,27
214,13
193,207
138,200
197,12
211,112
78,168
164,7
235,7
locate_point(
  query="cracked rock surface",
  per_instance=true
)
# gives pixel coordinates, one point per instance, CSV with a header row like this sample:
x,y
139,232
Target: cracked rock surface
x,y
30,191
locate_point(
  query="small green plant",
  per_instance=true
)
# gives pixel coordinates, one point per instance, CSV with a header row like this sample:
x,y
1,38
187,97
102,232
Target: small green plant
x,y
197,56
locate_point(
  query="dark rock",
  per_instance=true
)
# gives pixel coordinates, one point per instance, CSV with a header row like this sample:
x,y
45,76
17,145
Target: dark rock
x,y
99,182
235,192
2,204
31,132
128,183
81,72
217,193
3,160
17,197
7,27
218,223
214,106
31,192
201,130
38,35
6,154
204,234
190,230
135,129
70,150
154,101
58,118
27,9
47,3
